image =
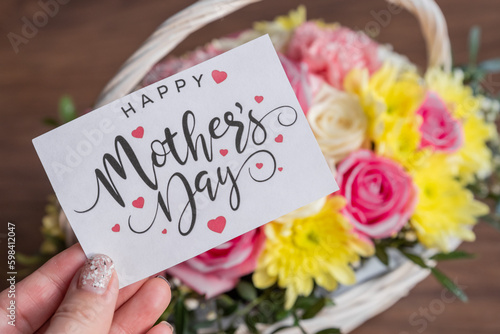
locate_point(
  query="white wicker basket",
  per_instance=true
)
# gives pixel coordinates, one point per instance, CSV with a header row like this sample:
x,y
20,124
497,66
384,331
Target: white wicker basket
x,y
379,287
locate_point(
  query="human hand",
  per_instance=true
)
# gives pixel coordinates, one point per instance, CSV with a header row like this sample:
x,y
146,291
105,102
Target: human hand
x,y
64,297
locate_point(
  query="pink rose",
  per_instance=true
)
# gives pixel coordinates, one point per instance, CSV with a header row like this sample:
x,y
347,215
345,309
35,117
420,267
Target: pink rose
x,y
332,53
299,77
219,269
439,129
380,195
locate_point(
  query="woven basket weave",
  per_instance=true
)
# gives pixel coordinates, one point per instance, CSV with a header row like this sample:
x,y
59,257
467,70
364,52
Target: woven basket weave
x,y
174,30
378,288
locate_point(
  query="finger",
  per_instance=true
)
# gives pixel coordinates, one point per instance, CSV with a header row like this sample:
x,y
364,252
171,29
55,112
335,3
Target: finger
x,y
89,304
162,328
39,294
143,309
127,292
123,296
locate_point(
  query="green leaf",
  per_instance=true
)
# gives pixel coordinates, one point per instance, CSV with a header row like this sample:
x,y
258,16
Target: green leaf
x,y
226,304
474,42
305,302
313,310
490,65
445,281
67,110
329,331
282,314
181,316
50,121
203,324
163,317
415,259
452,256
381,254
448,283
329,302
250,322
246,290
230,330
280,329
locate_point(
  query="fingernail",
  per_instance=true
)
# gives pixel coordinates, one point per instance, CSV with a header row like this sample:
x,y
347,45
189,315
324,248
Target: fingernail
x,y
166,323
96,274
166,280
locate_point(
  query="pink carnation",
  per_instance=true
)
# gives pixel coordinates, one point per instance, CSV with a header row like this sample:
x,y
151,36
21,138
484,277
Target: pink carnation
x,y
173,65
439,129
299,77
380,195
219,269
332,53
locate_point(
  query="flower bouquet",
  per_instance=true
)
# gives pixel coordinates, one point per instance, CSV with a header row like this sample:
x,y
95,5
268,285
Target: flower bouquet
x,y
408,152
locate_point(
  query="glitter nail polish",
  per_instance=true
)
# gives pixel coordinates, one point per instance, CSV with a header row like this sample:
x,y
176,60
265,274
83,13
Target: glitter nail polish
x,y
96,274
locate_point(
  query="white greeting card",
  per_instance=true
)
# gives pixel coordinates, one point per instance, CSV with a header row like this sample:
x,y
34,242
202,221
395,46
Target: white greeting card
x,y
188,163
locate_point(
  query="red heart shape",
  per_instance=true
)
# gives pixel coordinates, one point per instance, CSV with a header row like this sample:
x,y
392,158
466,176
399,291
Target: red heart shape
x,y
116,228
279,139
223,152
138,203
259,98
280,169
217,225
219,76
259,165
164,231
138,133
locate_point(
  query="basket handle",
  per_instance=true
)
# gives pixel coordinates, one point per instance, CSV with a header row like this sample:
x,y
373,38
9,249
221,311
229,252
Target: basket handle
x,y
175,29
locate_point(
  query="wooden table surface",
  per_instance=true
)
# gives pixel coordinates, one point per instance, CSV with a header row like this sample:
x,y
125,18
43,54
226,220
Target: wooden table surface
x,y
82,46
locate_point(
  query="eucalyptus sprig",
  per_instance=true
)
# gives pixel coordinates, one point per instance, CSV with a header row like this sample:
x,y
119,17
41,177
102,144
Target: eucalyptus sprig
x,y
66,112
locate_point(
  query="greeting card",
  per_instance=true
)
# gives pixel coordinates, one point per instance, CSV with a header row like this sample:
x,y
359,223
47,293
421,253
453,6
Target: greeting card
x,y
187,163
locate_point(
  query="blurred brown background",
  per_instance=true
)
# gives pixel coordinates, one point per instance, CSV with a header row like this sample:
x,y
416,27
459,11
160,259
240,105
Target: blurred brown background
x,y
82,47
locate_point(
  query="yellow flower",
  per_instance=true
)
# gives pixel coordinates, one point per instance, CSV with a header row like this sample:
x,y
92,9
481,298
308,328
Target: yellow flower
x,y
318,248
459,98
294,19
474,157
281,29
445,209
390,98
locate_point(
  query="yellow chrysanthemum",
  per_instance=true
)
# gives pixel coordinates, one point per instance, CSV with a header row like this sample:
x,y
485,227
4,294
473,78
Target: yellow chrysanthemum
x,y
474,157
390,98
459,98
285,22
294,19
281,29
445,209
318,248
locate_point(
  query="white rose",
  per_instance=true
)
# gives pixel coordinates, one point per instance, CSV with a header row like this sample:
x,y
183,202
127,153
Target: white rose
x,y
338,122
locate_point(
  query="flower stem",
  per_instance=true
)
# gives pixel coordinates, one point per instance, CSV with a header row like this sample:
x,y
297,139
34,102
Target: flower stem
x,y
297,323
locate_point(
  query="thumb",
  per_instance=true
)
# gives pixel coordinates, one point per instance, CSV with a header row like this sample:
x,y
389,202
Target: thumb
x,y
89,304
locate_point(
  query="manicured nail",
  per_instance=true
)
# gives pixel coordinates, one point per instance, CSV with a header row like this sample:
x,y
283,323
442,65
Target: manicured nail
x,y
96,274
169,325
166,280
